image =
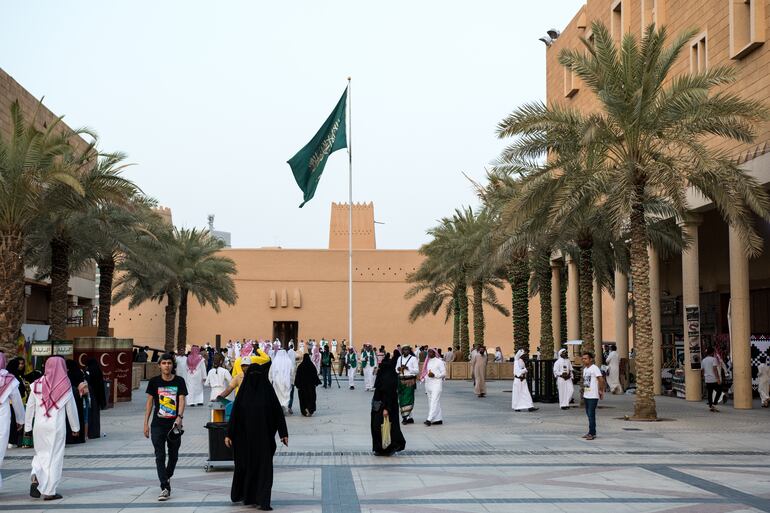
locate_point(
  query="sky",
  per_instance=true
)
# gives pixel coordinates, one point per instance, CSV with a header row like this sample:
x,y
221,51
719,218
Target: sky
x,y
210,99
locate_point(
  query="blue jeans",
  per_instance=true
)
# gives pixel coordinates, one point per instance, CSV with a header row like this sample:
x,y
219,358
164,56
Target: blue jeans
x,y
327,375
591,412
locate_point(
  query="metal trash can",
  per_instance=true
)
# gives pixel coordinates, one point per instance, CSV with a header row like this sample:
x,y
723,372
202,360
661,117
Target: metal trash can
x,y
219,454
541,381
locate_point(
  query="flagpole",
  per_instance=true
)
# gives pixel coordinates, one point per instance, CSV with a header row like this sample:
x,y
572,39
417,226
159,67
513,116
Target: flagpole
x,y
350,221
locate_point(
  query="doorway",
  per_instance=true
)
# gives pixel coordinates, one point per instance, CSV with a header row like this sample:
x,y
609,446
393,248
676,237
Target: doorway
x,y
286,331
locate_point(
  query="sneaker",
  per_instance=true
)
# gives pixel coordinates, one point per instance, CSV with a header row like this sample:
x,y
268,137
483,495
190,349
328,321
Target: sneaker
x,y
164,495
437,423
590,437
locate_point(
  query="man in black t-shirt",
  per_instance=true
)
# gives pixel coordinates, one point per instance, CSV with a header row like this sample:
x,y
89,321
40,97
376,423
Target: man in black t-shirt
x,y
165,403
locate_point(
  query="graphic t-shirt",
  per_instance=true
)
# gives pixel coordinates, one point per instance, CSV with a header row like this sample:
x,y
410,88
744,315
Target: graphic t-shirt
x,y
591,382
165,396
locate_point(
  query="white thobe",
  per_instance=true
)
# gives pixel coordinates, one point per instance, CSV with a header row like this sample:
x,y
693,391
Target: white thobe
x,y
449,356
368,370
565,386
351,376
181,367
763,382
218,379
194,381
521,398
50,435
434,386
613,374
10,399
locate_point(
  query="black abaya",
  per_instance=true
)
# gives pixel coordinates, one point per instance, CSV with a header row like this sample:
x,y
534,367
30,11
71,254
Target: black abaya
x,y
95,380
256,417
306,382
14,367
386,398
76,377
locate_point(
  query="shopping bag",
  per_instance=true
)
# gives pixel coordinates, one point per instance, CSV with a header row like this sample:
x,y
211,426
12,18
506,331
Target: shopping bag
x,y
386,433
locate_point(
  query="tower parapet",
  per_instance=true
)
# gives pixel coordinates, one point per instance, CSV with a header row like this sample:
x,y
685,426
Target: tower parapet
x,y
363,226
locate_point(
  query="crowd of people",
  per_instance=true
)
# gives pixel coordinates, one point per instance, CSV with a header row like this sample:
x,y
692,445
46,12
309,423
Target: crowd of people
x,y
259,381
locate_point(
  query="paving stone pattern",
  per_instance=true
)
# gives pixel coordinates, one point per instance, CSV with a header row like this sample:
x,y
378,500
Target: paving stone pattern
x,y
485,458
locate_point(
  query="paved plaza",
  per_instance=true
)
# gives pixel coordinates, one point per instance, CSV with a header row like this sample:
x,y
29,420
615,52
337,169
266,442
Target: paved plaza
x,y
486,458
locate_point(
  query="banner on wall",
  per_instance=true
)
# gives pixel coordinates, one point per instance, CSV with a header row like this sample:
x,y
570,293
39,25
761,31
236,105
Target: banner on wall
x,y
692,316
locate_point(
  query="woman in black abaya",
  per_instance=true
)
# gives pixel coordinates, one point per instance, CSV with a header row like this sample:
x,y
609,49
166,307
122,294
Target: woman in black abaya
x,y
385,403
256,417
95,380
306,381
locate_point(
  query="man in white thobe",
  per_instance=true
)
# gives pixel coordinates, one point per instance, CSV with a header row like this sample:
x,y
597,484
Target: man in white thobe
x,y
368,363
449,356
181,366
433,373
50,405
763,382
196,376
218,378
9,398
521,399
408,369
562,371
280,376
613,371
351,364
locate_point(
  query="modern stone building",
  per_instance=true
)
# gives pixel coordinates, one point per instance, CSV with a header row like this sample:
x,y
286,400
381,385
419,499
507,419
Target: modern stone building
x,y
731,292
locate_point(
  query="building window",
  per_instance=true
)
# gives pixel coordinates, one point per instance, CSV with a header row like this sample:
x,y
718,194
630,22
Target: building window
x,y
747,26
616,20
653,11
698,54
571,82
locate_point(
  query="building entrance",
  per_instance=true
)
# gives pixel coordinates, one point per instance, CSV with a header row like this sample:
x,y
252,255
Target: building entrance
x,y
286,331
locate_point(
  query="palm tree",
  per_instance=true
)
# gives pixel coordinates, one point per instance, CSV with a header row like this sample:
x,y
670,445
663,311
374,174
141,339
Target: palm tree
x,y
651,131
29,165
203,273
148,274
54,239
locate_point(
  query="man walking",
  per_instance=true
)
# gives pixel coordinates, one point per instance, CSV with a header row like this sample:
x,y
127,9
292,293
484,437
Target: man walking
x,y
166,396
368,363
712,378
479,369
593,390
407,368
433,373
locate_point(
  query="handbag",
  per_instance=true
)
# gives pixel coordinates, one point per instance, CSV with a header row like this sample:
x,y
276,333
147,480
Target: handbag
x,y
385,433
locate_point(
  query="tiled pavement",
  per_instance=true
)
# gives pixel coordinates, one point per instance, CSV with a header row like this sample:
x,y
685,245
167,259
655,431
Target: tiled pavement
x,y
486,458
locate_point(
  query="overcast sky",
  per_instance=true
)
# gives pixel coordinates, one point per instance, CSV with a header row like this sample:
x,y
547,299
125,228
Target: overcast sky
x,y
210,99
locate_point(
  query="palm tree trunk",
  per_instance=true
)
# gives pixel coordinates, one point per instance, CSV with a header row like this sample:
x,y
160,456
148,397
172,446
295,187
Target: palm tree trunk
x,y
11,290
586,293
518,277
478,313
644,402
456,316
181,339
464,335
60,277
563,305
543,270
106,273
170,322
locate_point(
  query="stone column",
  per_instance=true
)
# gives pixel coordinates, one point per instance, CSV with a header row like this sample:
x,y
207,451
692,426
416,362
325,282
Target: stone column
x,y
556,303
690,296
597,296
657,336
573,301
740,324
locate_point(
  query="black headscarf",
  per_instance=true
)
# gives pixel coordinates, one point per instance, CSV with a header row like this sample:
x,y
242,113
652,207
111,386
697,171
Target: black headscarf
x,y
307,375
95,380
386,374
13,367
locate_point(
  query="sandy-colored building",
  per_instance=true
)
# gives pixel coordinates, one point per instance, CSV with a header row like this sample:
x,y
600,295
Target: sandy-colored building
x,y
303,293
731,292
82,291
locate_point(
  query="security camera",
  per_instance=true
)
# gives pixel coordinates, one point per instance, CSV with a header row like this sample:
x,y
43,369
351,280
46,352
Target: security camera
x,y
547,40
553,33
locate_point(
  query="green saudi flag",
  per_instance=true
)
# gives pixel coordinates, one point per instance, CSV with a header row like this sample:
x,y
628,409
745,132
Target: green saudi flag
x,y
308,164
